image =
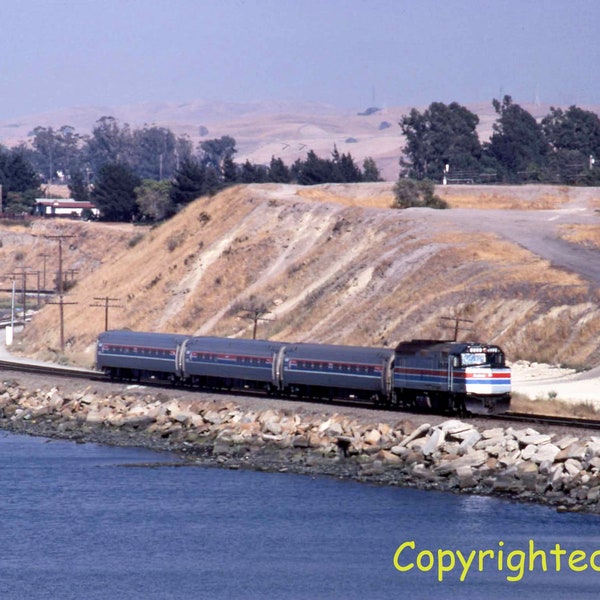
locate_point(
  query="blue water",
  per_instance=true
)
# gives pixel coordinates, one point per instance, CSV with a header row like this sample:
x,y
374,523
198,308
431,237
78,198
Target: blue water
x,y
76,523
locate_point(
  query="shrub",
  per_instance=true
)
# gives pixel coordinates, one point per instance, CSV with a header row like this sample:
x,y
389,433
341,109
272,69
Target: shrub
x,y
410,192
135,240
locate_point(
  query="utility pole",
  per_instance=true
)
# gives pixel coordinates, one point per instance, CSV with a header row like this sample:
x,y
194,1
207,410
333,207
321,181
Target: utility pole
x,y
44,257
60,239
106,300
62,304
256,315
23,274
457,321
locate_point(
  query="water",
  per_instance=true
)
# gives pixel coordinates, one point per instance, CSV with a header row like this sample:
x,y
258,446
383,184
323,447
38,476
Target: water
x,y
77,523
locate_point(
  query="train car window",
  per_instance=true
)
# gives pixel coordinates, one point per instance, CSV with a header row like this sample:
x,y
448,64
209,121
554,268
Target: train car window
x,y
472,359
496,359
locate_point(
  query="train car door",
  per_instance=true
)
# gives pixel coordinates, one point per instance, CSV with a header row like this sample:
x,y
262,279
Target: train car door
x,y
277,372
452,360
387,383
180,359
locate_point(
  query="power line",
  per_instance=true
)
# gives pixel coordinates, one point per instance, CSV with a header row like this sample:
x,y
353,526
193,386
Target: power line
x,y
106,305
256,315
457,322
61,303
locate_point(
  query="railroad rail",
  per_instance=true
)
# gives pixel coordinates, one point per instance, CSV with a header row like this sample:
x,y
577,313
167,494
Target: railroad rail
x,y
78,373
47,369
529,419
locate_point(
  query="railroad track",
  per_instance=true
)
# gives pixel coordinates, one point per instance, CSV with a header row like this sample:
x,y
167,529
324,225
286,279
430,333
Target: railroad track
x,y
529,419
522,418
52,370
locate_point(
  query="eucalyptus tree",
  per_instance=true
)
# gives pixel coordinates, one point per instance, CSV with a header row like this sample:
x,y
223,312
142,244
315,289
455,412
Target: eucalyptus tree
x,y
518,144
441,135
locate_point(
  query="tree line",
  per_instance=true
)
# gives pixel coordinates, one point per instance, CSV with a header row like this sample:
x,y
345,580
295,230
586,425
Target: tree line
x,y
442,141
150,173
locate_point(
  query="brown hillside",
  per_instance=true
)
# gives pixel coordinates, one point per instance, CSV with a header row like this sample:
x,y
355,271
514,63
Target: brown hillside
x,y
332,264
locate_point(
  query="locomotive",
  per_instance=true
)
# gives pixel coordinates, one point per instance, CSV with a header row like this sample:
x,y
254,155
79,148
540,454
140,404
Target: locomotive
x,y
441,376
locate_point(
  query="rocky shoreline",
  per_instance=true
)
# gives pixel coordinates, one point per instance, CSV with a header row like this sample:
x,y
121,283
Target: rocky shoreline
x,y
452,455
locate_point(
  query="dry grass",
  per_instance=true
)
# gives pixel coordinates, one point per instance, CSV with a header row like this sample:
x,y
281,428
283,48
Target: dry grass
x,y
552,406
368,195
528,197
328,269
586,235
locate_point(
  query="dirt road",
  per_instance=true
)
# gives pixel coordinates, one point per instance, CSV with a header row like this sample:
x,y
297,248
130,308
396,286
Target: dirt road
x,y
539,231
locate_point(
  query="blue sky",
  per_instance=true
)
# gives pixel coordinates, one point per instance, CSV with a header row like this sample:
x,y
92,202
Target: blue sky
x,y
347,53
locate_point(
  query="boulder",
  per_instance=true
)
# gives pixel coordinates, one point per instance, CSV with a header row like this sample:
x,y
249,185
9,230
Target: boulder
x,y
372,437
455,428
473,458
465,477
417,433
573,467
545,452
469,441
496,432
435,440
538,439
593,494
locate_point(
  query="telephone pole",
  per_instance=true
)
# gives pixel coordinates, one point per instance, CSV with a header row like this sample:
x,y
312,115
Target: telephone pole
x,y
256,315
106,304
62,304
23,275
44,257
60,239
457,322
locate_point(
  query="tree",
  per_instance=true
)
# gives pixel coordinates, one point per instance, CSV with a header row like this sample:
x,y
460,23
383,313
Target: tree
x,y
193,180
55,152
153,199
573,129
574,137
47,151
154,153
250,173
443,134
78,187
214,152
20,183
230,171
416,193
109,143
278,171
313,170
518,144
344,169
114,193
370,170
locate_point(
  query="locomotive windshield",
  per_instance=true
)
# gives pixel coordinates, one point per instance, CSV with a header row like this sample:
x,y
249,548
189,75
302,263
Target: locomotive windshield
x,y
489,356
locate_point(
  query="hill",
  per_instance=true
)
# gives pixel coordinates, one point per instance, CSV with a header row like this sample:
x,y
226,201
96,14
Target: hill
x,y
263,130
334,263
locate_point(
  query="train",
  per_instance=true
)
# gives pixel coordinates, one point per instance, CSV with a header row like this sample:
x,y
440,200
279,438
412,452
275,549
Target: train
x,y
426,375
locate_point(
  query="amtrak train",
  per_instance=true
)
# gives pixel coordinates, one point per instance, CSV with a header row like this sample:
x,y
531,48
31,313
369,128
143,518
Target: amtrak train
x,y
441,376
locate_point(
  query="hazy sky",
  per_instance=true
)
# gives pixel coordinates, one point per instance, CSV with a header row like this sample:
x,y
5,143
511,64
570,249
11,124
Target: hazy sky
x,y
348,53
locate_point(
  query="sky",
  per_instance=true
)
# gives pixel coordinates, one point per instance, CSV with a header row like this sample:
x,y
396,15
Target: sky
x,y
353,54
